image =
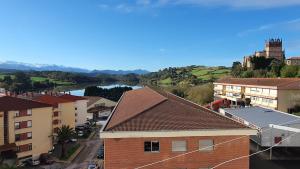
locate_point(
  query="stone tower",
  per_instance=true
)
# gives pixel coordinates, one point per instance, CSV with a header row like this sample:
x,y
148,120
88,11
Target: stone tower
x,y
273,49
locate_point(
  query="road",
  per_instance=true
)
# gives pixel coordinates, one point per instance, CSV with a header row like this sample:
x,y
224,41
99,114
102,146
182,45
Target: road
x,y
88,154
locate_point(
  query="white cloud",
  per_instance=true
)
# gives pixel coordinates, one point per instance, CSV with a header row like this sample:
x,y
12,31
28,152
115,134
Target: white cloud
x,y
257,4
143,2
291,25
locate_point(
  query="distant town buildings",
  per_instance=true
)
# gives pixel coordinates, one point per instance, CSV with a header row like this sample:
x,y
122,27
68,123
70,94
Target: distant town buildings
x,y
275,93
294,61
148,126
273,50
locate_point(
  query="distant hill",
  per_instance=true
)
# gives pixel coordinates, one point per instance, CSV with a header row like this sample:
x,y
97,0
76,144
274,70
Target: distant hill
x,y
191,75
120,72
12,66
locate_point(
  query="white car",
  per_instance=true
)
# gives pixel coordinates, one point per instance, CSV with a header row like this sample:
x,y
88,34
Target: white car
x,y
93,166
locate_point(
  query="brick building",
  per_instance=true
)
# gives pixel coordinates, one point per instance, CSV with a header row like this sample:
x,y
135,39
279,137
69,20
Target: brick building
x,y
148,126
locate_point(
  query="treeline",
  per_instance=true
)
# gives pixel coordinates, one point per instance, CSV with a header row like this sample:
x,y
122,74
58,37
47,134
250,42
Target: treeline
x,y
113,94
265,67
21,82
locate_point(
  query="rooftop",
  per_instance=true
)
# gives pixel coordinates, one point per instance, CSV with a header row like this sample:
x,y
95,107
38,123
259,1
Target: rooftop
x,y
53,100
72,97
149,110
294,58
279,83
262,117
8,103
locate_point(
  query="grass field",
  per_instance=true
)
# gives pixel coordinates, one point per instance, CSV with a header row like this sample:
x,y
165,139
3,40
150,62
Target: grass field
x,y
166,81
42,79
208,73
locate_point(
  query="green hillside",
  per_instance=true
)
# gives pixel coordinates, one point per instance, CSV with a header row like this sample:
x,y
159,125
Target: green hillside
x,y
190,75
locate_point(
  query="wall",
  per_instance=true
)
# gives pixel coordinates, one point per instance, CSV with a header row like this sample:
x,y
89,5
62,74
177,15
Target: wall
x,y
106,102
288,99
81,112
129,153
1,128
67,114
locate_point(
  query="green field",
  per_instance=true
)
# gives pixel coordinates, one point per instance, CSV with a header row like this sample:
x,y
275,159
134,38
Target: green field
x,y
41,79
209,73
166,81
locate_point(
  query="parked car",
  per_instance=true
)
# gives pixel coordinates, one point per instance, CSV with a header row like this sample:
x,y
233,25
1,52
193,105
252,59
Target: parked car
x,y
46,159
79,128
80,133
32,162
93,166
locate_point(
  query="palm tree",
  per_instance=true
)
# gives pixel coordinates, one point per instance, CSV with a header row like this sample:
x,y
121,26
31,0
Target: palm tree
x,y
64,134
6,166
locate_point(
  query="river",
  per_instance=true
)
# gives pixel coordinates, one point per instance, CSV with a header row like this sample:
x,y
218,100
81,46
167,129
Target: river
x,y
80,92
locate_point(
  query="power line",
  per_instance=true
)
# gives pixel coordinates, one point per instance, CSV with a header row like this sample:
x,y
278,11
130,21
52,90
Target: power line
x,y
190,152
238,158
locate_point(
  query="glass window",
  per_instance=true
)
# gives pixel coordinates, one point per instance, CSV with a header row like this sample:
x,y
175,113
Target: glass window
x,y
29,113
29,123
206,145
17,114
17,137
151,146
17,125
29,147
29,135
178,146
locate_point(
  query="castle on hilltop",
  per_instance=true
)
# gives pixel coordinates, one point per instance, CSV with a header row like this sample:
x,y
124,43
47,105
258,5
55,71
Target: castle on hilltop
x,y
273,49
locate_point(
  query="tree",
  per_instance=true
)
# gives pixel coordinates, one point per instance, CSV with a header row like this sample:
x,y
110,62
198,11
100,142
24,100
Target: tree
x,y
201,94
64,134
260,62
237,69
6,166
289,71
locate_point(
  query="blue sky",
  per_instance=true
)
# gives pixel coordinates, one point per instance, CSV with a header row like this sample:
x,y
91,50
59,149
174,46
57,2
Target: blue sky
x,y
147,34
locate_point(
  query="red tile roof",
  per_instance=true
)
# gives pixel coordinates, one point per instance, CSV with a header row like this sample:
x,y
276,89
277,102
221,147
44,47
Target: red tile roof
x,y
72,97
280,83
147,110
53,100
294,58
8,103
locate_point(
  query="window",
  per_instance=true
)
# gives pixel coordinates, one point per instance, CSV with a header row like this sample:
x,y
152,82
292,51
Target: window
x,y
17,137
29,147
179,146
17,114
29,123
29,135
29,113
151,146
75,108
206,145
17,125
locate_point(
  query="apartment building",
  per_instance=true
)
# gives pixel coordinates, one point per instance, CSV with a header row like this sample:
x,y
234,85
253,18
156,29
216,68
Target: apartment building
x,y
148,126
275,93
99,106
63,110
81,113
293,61
25,128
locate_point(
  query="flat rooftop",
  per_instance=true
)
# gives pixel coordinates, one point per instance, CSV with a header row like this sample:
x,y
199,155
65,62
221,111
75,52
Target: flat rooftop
x,y
262,117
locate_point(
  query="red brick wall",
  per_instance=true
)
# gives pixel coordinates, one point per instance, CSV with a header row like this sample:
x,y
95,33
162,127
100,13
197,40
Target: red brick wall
x,y
129,153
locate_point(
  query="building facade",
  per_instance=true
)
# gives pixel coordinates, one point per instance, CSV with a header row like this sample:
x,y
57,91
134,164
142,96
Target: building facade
x,y
293,61
273,49
99,106
80,104
148,126
275,93
20,126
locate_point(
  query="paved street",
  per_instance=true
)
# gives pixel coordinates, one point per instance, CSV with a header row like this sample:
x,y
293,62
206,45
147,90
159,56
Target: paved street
x,y
88,154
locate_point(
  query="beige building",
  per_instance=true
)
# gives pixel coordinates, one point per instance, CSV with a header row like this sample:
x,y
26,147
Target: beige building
x,y
63,111
20,128
99,105
273,49
275,93
293,61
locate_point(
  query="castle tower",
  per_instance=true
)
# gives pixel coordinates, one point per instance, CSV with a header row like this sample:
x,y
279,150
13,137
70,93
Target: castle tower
x,y
273,48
